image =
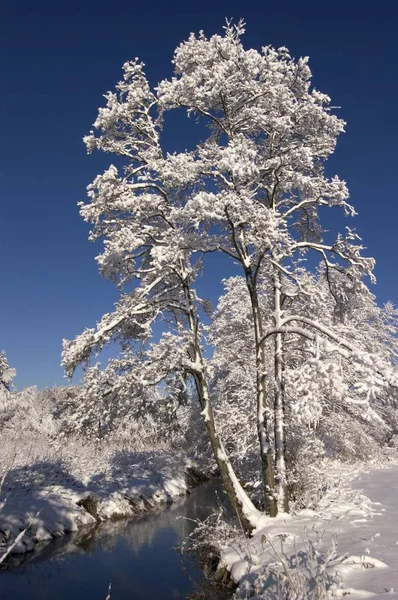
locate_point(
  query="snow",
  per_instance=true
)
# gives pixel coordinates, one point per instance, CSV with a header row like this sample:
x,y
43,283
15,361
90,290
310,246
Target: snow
x,y
42,498
359,513
242,191
379,534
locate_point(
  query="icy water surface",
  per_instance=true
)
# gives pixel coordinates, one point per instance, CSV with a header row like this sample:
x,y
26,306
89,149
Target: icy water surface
x,y
137,557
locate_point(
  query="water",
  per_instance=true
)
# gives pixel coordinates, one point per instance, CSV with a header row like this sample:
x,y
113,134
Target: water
x,y
138,557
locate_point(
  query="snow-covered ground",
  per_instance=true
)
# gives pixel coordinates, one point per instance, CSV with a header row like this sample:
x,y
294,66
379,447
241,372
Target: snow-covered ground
x,y
379,534
349,546
41,495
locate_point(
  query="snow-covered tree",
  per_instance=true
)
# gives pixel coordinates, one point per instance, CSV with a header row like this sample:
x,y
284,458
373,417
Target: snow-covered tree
x,y
259,182
358,387
251,190
7,374
111,404
149,252
335,403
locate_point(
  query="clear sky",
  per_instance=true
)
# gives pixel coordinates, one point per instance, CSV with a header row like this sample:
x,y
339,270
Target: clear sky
x,y
58,58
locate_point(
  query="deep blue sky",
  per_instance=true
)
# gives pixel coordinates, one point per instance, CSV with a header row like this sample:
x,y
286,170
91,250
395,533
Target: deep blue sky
x,y
58,58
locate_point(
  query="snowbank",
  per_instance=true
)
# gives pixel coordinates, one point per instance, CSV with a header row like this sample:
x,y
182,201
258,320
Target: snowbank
x,y
47,498
347,547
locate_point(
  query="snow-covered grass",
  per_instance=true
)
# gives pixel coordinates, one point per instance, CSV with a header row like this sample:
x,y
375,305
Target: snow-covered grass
x,y
348,546
51,487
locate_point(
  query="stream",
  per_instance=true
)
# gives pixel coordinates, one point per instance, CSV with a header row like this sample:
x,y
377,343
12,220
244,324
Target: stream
x,y
139,557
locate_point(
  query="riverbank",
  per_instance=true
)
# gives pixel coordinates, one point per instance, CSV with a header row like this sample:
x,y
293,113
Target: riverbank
x,y
74,487
347,547
138,557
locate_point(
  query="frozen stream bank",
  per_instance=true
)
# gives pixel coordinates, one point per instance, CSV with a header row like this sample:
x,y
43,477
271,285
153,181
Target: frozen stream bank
x,y
137,556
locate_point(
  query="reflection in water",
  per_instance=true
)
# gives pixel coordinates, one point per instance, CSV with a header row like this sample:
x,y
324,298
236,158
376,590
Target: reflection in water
x,y
137,557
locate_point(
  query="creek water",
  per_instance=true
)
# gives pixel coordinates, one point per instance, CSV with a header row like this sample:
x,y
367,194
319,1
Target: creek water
x,y
140,558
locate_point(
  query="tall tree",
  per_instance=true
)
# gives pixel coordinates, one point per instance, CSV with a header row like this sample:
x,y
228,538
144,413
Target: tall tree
x,y
260,181
251,189
149,252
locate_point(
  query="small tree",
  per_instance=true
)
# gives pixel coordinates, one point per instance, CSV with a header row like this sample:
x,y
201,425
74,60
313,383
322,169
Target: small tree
x,y
328,394
7,374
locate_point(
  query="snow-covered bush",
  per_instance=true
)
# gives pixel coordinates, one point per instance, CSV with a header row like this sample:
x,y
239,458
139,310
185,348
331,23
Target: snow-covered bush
x,y
32,410
307,468
305,574
112,407
207,541
347,439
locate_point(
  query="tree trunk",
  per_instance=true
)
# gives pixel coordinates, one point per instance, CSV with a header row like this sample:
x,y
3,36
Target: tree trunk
x,y
279,409
247,513
263,412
